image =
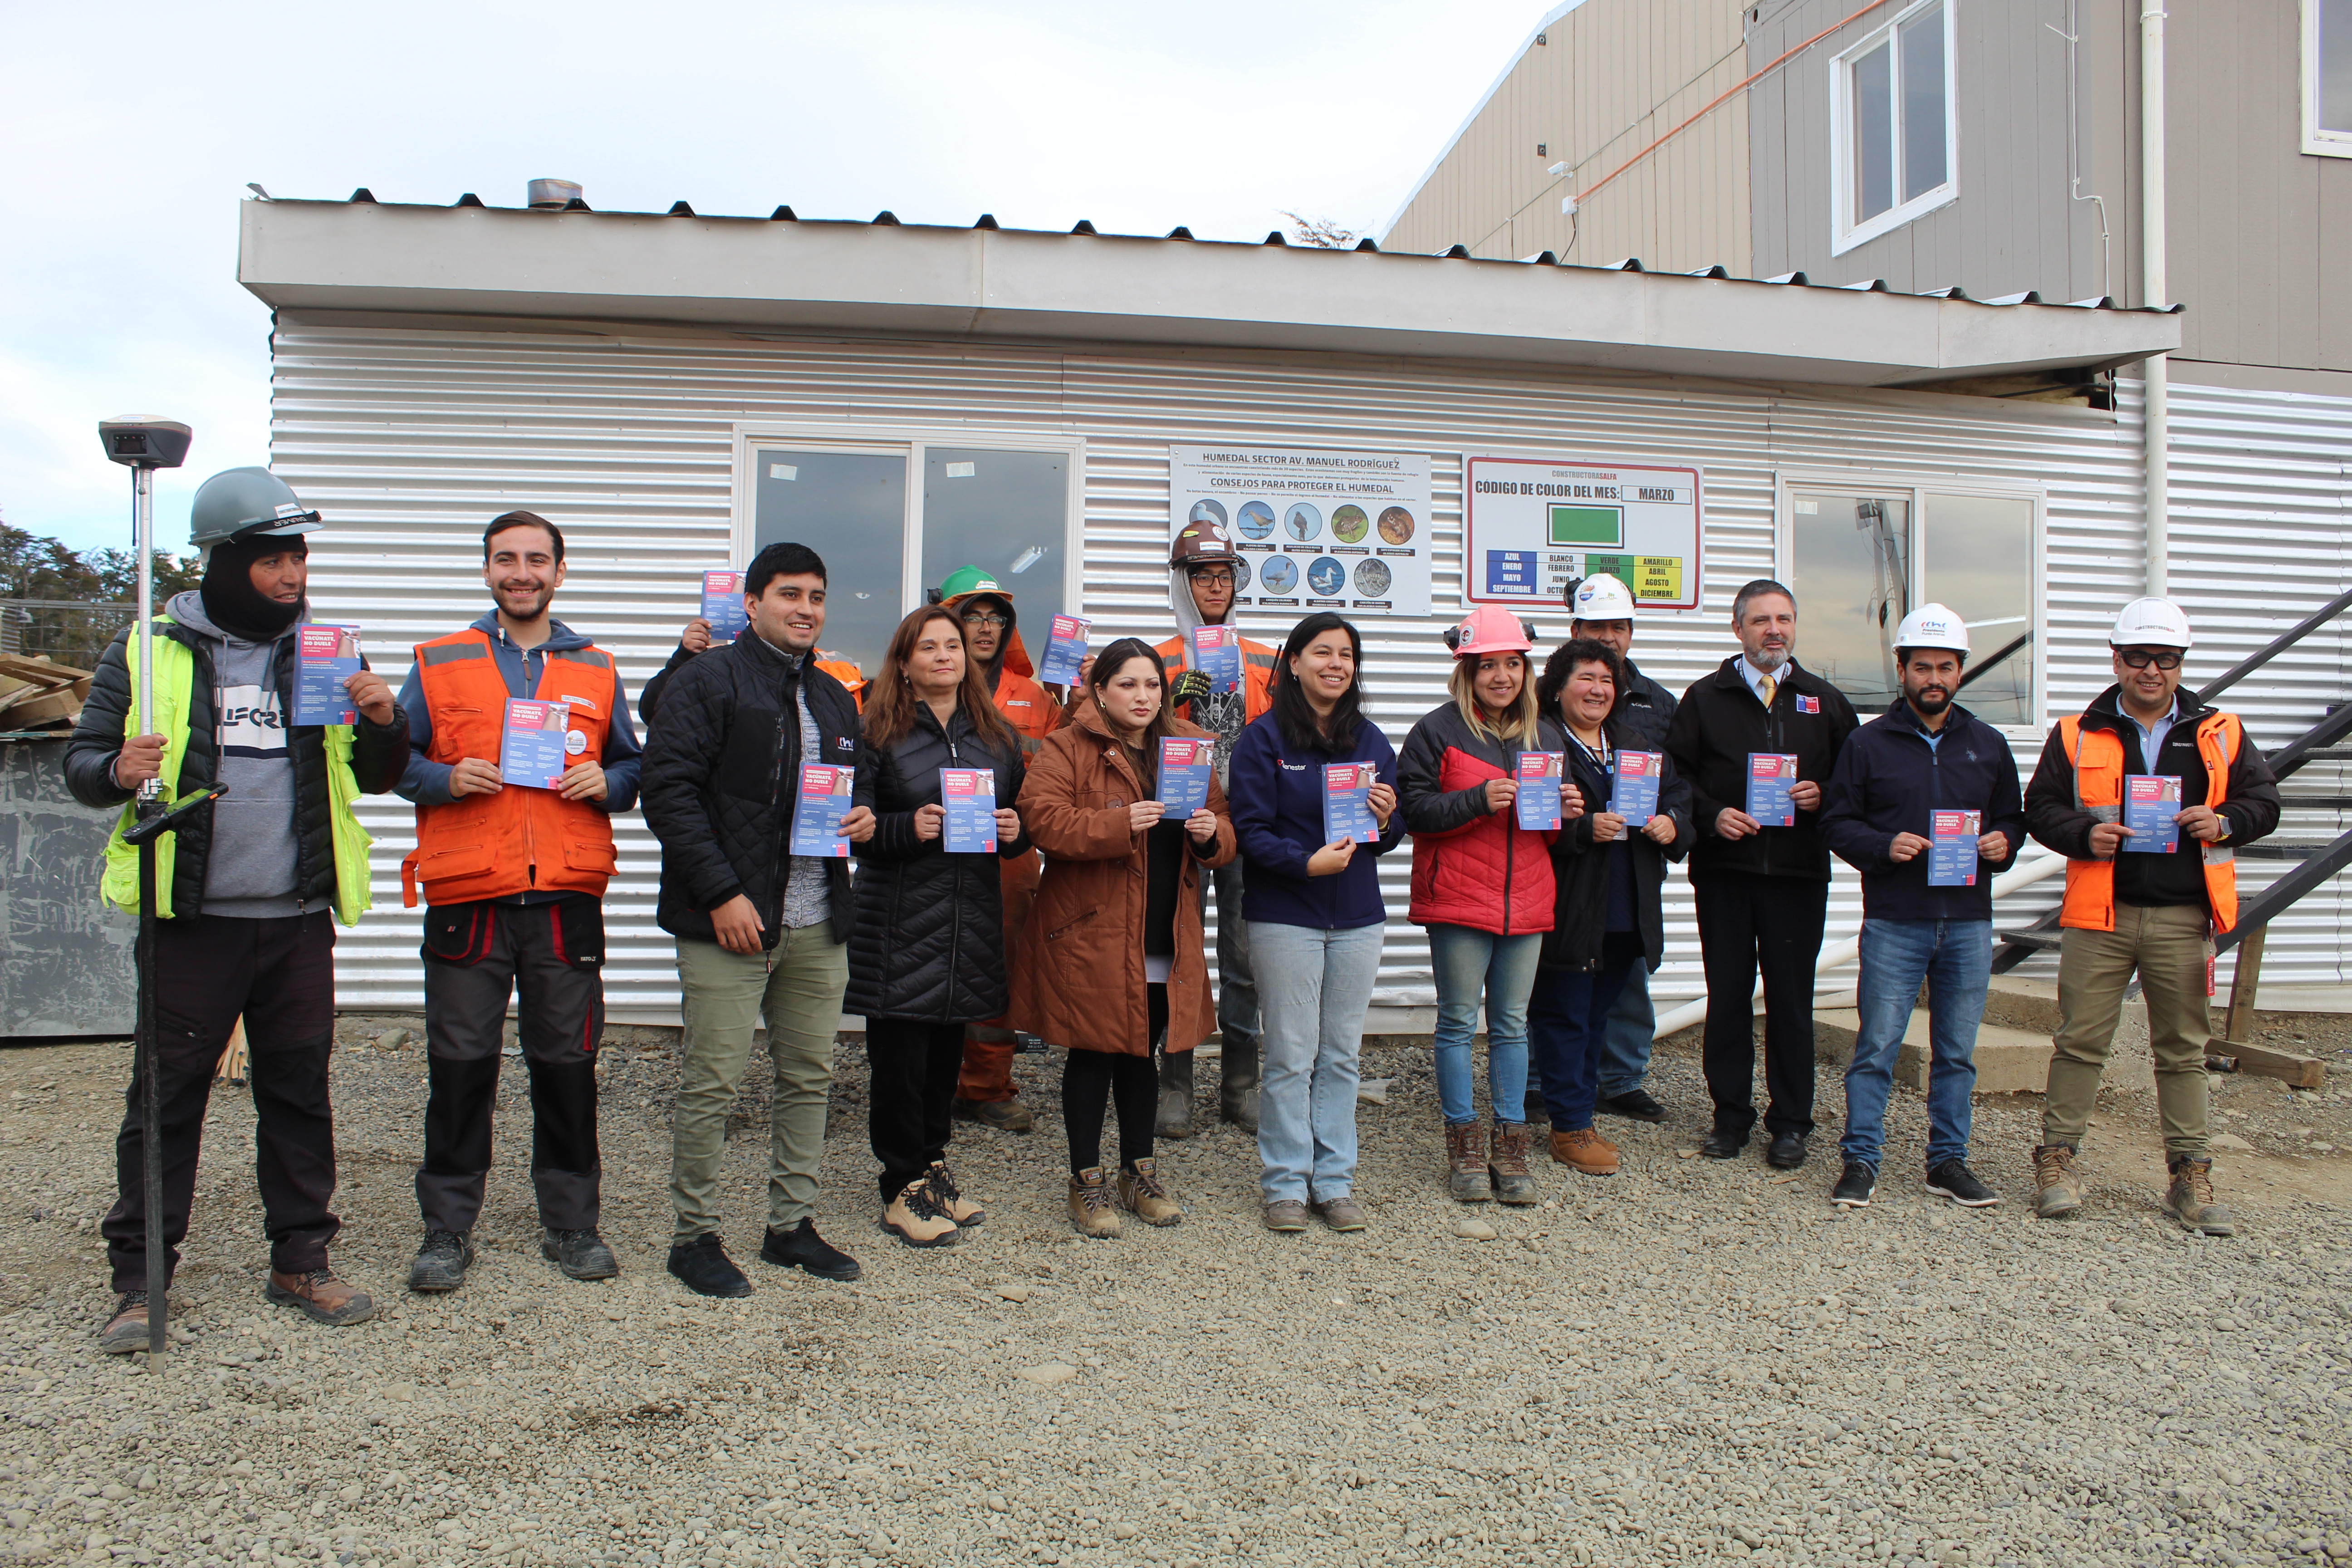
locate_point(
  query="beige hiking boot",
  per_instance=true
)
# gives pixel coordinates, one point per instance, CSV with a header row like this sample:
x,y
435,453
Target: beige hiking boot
x,y
2190,1199
1141,1194
949,1197
1507,1163
915,1217
1090,1207
1467,1175
2057,1190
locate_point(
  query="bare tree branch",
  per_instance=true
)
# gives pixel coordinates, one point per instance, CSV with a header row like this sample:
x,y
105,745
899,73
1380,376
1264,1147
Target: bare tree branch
x,y
1322,233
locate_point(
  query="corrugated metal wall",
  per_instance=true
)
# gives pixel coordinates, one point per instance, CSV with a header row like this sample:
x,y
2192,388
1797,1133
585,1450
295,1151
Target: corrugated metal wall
x,y
411,439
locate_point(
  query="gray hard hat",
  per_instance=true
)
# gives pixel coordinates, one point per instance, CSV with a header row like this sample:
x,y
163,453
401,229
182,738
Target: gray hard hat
x,y
239,503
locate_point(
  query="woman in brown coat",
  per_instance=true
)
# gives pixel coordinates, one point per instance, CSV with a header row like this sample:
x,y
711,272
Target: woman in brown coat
x,y
1113,960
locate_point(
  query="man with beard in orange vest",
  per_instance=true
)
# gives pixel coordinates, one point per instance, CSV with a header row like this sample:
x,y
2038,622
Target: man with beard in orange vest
x,y
513,879
985,1092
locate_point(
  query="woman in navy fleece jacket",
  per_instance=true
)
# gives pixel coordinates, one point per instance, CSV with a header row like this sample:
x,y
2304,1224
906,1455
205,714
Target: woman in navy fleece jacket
x,y
1315,913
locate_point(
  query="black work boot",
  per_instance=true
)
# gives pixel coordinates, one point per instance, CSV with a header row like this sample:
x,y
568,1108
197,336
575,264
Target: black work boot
x,y
703,1267
1237,1088
582,1254
441,1263
1175,1118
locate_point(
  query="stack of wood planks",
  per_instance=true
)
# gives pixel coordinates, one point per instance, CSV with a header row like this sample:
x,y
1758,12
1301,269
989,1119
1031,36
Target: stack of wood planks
x,y
39,694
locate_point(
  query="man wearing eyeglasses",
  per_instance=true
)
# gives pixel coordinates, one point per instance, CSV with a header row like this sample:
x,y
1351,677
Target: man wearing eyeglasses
x,y
985,1092
2141,900
1204,575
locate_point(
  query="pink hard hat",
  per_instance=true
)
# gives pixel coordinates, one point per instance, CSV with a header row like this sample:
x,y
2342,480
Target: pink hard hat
x,y
1490,628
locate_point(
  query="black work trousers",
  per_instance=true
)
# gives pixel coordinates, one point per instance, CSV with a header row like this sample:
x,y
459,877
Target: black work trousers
x,y
279,976
475,956
913,1068
1747,921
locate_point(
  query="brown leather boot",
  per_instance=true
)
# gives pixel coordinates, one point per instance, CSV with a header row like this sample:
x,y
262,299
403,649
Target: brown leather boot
x,y
1584,1150
127,1330
323,1298
1465,1164
914,1216
1514,1183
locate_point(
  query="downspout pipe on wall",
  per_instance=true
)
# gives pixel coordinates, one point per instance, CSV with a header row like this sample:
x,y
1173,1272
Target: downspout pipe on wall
x,y
2155,432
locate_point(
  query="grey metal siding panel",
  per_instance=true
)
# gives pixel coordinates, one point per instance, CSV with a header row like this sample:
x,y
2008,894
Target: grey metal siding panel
x,y
409,440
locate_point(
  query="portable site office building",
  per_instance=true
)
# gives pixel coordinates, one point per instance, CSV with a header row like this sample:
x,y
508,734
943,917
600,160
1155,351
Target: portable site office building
x,y
674,390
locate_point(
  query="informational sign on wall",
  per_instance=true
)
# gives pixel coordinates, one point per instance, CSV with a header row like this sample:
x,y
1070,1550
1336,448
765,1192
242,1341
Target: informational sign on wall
x,y
1317,529
1532,524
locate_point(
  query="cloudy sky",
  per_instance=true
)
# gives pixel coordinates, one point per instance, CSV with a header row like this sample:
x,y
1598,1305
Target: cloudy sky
x,y
130,137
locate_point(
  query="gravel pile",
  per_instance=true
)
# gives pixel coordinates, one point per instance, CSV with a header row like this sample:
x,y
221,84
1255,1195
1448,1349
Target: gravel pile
x,y
1689,1362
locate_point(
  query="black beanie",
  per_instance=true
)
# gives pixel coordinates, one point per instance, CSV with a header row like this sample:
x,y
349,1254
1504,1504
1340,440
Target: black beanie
x,y
232,601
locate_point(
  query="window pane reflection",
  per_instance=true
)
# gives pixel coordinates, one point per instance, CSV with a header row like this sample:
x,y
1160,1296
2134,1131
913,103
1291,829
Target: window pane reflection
x,y
1007,513
1850,567
1874,132
1923,103
1979,564
851,508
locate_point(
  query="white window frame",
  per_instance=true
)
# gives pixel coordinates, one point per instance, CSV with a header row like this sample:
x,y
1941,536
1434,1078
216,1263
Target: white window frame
x,y
1845,234
1917,487
910,442
2317,140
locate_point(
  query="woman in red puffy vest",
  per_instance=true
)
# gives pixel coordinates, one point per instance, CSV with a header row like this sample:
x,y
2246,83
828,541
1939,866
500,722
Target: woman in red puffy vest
x,y
1482,887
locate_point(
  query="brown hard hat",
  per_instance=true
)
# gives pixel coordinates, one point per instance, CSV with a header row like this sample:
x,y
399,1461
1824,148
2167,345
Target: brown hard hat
x,y
1199,542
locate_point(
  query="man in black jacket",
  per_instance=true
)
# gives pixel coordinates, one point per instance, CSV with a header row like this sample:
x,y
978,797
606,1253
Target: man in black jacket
x,y
1924,804
1762,893
246,891
760,930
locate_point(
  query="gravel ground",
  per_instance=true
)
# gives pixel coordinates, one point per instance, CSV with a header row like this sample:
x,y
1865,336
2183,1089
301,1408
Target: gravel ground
x,y
1689,1360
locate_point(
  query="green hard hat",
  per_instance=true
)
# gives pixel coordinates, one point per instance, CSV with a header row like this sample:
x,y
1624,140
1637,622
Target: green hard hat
x,y
237,503
965,581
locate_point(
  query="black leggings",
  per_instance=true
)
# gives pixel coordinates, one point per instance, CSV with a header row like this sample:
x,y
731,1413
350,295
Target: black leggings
x,y
1092,1079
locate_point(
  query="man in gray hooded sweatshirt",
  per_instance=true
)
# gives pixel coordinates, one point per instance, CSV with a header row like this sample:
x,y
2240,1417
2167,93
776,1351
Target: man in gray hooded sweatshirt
x,y
244,892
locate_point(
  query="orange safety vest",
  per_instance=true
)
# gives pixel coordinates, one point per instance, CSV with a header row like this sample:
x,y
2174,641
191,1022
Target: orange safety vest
x,y
516,839
852,678
1257,672
2099,757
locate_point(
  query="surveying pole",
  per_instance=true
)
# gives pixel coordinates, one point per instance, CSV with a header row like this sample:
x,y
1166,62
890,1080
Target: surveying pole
x,y
142,445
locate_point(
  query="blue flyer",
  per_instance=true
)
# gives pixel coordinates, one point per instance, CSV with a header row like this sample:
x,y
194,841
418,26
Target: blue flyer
x,y
1769,777
1348,803
1065,651
329,657
1952,848
2150,803
722,604
1539,797
1184,776
1633,788
537,747
1217,654
970,796
822,802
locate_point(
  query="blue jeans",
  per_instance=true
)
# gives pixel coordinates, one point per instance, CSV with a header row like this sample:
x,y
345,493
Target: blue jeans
x,y
1954,958
1567,1015
1313,987
1625,1043
1472,966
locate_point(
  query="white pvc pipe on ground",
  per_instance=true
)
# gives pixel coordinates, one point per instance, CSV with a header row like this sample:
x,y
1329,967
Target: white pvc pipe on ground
x,y
2023,875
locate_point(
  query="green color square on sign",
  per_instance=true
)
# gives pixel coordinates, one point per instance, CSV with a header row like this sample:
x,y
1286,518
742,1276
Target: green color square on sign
x,y
1588,525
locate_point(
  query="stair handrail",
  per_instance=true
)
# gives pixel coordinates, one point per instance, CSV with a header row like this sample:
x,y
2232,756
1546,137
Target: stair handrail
x,y
2254,661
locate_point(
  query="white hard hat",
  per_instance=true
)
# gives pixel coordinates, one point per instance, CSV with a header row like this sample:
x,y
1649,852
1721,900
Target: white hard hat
x,y
1933,626
2150,623
1602,597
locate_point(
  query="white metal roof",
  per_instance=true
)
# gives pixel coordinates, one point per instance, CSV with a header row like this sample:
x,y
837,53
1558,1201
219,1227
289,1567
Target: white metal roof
x,y
985,283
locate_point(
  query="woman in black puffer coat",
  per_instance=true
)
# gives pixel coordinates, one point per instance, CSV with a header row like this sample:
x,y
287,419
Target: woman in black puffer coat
x,y
927,951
